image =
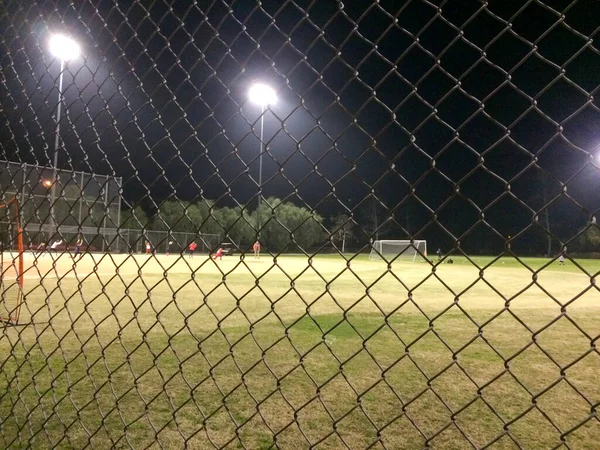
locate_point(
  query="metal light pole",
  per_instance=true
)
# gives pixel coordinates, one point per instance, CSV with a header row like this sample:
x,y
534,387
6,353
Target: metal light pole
x,y
264,96
260,155
65,49
56,145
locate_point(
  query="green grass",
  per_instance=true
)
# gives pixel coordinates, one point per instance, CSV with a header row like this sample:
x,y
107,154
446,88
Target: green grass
x,y
320,354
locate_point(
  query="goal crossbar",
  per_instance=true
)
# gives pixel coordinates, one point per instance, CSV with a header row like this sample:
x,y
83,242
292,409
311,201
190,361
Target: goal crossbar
x,y
391,249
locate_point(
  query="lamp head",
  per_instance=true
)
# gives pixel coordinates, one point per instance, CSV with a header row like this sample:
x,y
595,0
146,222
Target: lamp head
x,y
63,47
262,95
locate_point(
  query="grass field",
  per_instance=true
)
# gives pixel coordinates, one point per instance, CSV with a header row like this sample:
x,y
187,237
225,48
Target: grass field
x,y
170,353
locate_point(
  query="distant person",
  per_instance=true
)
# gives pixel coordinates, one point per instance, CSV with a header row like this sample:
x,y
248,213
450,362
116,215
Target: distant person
x,y
219,254
54,246
78,245
439,254
148,247
168,247
192,249
256,248
41,248
561,259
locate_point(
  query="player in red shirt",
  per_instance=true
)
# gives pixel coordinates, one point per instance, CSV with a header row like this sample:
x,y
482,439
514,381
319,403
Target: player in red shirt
x,y
219,254
256,248
192,249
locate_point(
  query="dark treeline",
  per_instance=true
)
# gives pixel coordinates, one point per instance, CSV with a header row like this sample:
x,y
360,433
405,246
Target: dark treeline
x,y
284,226
288,227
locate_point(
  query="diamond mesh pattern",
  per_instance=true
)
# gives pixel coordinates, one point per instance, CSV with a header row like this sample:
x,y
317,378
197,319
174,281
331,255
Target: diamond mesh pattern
x,y
471,125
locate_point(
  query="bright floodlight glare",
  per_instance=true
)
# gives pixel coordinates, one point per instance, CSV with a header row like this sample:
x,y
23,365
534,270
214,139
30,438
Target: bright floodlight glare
x,y
262,95
47,183
64,47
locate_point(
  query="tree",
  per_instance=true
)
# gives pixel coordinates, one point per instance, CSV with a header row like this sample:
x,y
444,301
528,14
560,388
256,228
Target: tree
x,y
589,240
134,219
539,191
342,230
206,214
177,215
235,224
287,226
375,219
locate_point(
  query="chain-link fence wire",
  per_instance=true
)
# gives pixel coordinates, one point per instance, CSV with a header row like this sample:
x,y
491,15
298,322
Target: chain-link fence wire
x,y
471,126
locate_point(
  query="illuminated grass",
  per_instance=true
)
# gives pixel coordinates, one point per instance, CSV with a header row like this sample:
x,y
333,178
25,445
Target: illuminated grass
x,y
350,354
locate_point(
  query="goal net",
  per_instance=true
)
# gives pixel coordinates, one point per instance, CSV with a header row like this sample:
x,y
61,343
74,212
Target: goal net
x,y
11,257
399,250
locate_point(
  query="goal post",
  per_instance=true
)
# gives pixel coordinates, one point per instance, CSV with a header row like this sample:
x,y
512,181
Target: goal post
x,y
403,250
11,257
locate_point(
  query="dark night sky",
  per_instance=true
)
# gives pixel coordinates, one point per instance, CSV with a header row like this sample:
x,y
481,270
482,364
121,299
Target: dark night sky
x,y
461,106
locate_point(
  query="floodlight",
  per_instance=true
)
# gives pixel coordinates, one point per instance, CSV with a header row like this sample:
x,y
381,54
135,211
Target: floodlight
x,y
64,47
262,95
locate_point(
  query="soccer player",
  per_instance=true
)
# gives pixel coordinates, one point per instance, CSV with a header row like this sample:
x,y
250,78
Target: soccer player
x,y
561,259
40,248
219,254
192,249
55,244
256,248
78,245
439,254
168,247
148,247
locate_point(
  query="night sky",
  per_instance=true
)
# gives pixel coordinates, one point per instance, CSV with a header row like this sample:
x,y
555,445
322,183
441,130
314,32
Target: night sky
x,y
449,115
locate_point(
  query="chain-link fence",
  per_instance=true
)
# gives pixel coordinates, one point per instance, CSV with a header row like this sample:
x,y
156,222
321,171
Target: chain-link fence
x,y
115,240
52,198
317,225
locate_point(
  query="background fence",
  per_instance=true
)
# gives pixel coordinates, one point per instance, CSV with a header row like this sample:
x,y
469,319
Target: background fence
x,y
52,198
310,127
119,240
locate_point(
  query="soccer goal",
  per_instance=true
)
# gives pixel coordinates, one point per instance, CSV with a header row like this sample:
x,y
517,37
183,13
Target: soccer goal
x,y
11,257
399,250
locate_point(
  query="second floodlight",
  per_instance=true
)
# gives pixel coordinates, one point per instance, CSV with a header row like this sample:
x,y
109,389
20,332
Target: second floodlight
x,y
262,95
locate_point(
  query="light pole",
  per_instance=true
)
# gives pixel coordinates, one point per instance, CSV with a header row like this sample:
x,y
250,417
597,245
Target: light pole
x,y
262,95
65,49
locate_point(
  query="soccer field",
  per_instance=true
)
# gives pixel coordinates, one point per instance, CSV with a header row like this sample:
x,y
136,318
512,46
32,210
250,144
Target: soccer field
x,y
134,350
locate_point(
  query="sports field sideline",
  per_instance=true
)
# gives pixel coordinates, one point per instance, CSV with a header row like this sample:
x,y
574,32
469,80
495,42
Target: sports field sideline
x,y
192,351
347,279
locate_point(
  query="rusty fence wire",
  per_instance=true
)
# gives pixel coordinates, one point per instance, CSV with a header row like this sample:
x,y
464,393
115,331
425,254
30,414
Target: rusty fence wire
x,y
299,224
